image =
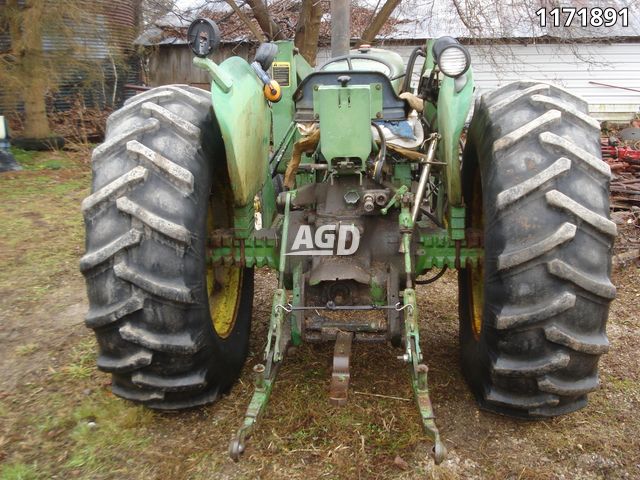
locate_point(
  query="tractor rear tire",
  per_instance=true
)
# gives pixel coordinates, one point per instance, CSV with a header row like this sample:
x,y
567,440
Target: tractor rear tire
x,y
150,289
533,316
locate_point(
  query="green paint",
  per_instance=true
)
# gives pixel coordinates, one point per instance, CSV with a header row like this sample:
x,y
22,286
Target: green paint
x,y
378,292
284,237
405,221
220,78
401,174
411,326
377,111
297,317
258,252
303,69
457,222
394,199
284,110
244,119
453,108
275,325
437,250
345,115
243,220
448,117
268,203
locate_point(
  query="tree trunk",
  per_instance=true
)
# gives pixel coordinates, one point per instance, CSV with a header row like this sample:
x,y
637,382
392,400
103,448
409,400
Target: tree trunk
x,y
308,30
35,79
268,26
369,34
250,25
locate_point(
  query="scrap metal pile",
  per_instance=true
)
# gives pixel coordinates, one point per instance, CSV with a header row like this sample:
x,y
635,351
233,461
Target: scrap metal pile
x,y
622,153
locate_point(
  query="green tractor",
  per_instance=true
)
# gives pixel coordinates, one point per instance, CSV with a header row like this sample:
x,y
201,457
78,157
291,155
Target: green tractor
x,y
355,188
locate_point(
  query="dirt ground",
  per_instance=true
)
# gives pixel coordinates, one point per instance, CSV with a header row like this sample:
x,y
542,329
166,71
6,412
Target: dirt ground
x,y
58,418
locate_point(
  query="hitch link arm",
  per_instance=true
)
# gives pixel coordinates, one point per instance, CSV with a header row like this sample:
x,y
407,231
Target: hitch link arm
x,y
278,339
413,354
419,372
265,374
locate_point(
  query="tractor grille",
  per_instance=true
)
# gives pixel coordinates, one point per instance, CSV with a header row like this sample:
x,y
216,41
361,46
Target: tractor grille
x,y
281,72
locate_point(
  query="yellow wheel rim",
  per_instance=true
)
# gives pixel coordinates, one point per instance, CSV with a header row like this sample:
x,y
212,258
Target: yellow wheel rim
x,y
223,291
476,274
476,299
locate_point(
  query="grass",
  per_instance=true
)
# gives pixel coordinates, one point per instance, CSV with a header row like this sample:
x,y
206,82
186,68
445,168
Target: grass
x,y
30,160
26,349
44,201
71,430
83,360
59,419
18,471
105,435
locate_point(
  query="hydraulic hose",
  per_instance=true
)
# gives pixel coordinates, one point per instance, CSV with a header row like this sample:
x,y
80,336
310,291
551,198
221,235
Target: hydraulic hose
x,y
406,84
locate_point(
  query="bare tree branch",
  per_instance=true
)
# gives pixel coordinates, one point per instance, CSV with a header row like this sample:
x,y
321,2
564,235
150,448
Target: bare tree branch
x,y
268,26
256,32
369,34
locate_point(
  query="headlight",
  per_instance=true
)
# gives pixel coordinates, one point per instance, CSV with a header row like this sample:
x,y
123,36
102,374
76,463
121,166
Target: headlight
x,y
452,58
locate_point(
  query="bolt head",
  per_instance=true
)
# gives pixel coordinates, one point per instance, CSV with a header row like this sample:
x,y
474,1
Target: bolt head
x,y
351,197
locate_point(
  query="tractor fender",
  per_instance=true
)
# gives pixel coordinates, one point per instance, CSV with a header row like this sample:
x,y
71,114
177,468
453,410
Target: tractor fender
x,y
244,121
450,113
454,103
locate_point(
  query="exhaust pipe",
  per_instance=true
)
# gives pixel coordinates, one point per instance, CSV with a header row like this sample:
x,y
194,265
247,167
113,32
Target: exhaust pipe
x,y
340,27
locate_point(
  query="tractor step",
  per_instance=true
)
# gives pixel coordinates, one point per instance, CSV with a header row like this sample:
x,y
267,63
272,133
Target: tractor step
x,y
340,376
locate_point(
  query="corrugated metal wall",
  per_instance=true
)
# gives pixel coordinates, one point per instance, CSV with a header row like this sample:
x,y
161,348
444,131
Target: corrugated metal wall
x,y
571,66
105,42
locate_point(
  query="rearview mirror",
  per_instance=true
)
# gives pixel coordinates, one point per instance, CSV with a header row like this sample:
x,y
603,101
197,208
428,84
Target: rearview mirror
x,y
203,37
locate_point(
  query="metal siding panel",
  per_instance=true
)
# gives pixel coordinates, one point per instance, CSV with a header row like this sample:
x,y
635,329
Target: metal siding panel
x,y
111,35
571,66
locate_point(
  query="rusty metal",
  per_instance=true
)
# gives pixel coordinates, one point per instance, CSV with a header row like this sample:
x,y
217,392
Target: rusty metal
x,y
474,237
136,88
318,322
620,153
332,306
340,375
